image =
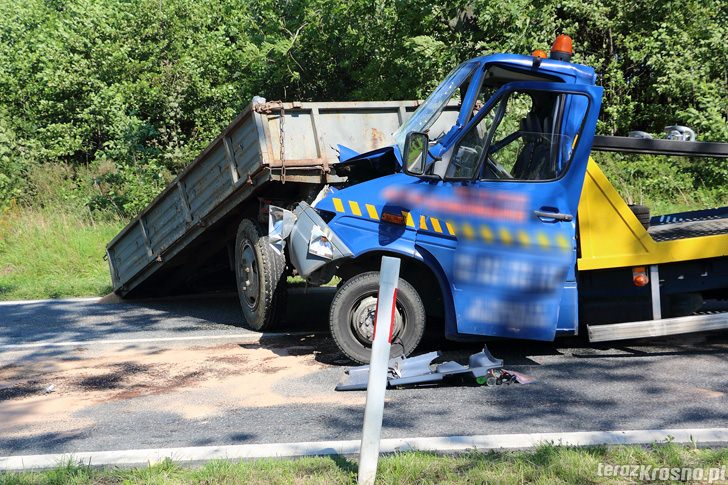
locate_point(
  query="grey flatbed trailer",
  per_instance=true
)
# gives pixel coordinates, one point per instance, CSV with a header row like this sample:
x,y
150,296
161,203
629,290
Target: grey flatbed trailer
x,y
277,151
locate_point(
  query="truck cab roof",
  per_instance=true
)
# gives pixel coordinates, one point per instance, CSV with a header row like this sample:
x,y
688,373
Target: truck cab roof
x,y
535,68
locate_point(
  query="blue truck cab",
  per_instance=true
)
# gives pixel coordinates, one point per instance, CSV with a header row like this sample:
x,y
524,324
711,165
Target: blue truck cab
x,y
482,212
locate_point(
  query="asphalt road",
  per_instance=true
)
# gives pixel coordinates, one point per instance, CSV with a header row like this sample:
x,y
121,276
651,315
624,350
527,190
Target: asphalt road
x,y
184,372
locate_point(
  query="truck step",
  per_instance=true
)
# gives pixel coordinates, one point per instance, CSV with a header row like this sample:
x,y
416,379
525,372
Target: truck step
x,y
658,328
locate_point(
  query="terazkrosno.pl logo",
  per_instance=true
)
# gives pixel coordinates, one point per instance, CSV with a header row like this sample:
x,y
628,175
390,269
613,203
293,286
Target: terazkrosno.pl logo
x,y
651,473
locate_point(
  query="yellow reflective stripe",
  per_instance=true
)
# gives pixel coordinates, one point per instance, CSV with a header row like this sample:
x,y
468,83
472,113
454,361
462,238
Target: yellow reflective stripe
x,y
408,218
423,223
523,238
542,240
354,208
338,205
505,236
450,228
435,224
468,231
563,242
372,211
486,233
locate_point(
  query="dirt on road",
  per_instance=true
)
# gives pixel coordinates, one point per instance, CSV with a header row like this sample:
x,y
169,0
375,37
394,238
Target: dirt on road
x,y
193,382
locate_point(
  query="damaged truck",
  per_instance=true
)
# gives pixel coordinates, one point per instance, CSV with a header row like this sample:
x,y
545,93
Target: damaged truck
x,y
486,191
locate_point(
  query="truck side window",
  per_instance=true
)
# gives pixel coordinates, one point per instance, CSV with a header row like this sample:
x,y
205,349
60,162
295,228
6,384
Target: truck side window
x,y
525,143
526,135
509,136
467,154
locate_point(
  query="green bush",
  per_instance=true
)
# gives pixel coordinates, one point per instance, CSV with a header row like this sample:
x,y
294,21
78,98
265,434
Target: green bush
x,y
123,93
666,184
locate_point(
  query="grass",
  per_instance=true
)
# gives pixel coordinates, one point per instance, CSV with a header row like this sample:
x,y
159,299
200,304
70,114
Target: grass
x,y
297,281
48,253
547,464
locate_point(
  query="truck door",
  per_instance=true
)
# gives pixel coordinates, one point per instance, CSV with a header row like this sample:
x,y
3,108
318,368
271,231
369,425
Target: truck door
x,y
512,182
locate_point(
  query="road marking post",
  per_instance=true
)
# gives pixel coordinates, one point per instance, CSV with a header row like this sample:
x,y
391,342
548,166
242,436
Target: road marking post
x,y
378,368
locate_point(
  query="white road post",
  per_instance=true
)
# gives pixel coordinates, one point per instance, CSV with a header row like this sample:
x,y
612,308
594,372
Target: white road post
x,y
378,368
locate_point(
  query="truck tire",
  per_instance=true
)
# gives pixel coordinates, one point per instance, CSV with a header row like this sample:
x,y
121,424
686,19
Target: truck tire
x,y
260,277
642,212
352,317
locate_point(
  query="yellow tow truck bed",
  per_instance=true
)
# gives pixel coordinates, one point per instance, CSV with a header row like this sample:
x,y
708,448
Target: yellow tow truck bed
x,y
677,227
611,236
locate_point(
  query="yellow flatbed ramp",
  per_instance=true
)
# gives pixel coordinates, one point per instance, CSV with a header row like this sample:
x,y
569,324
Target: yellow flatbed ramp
x,y
611,236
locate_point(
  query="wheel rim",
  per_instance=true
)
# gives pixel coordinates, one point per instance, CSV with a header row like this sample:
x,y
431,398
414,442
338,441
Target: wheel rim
x,y
249,281
361,319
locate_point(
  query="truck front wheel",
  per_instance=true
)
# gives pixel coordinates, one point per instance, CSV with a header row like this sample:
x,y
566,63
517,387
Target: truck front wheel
x,y
260,277
353,311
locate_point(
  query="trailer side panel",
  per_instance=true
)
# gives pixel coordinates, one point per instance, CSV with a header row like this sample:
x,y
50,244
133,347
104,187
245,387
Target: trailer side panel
x,y
246,156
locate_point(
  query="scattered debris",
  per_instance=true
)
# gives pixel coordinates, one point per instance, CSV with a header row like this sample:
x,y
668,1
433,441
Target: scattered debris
x,y
482,368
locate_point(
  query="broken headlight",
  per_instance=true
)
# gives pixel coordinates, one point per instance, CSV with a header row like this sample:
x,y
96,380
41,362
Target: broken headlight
x,y
320,245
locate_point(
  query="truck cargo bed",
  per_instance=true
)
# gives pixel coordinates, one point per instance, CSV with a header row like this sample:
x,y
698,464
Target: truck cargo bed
x,y
689,224
270,143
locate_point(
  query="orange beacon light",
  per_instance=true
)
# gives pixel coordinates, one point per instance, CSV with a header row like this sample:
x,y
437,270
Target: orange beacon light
x,y
562,49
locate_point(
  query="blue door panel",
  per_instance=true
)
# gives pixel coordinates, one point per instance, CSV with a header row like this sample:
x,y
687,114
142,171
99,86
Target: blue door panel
x,y
520,281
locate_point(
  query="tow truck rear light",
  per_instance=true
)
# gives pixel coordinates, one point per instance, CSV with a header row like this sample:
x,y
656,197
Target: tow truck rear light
x,y
393,218
639,276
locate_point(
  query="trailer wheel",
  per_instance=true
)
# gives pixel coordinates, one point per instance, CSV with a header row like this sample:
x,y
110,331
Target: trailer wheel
x,y
260,276
352,317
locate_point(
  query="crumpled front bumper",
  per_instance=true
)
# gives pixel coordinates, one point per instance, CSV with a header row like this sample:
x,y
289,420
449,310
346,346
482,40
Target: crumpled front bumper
x,y
310,229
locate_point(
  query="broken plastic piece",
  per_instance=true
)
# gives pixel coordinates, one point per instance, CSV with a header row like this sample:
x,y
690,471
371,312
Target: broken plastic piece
x,y
420,370
280,225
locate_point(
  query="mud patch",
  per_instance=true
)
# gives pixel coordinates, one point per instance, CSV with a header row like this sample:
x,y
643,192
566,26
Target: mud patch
x,y
300,350
192,382
20,391
228,359
114,379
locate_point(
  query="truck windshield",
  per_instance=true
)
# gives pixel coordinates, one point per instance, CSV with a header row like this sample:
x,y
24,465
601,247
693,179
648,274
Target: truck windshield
x,y
429,112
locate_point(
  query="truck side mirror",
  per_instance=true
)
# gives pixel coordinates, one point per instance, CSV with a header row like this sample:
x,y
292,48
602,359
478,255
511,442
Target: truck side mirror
x,y
415,153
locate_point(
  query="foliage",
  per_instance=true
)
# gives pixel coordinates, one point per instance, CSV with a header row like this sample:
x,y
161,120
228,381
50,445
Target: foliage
x,y
124,93
666,184
53,253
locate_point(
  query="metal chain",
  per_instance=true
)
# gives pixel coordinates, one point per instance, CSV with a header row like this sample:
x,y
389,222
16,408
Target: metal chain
x,y
282,135
268,108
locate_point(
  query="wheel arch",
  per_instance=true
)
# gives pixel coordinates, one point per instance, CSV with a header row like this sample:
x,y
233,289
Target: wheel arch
x,y
422,271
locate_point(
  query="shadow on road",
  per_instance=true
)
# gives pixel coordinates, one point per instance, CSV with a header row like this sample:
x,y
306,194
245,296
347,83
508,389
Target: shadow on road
x,y
580,386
